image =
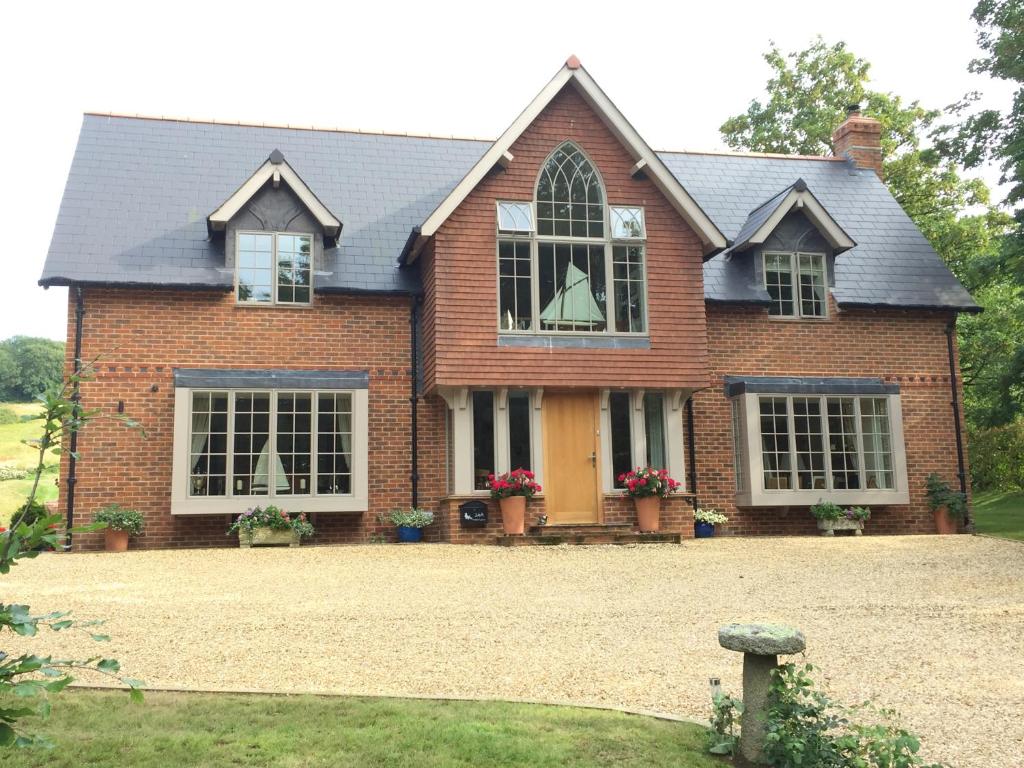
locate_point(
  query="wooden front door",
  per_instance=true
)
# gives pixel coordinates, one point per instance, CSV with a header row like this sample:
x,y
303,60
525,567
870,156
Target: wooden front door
x,y
571,457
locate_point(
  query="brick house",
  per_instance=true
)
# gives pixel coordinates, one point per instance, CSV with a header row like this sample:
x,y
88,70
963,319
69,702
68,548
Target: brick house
x,y
344,323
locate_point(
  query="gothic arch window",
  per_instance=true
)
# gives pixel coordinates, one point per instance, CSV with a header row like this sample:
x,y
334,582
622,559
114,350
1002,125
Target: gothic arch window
x,y
570,196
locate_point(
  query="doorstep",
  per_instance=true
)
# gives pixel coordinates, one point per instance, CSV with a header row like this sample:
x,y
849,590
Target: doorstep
x,y
614,533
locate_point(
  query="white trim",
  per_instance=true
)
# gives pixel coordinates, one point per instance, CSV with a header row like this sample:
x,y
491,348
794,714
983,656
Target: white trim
x,y
226,211
711,237
814,210
184,504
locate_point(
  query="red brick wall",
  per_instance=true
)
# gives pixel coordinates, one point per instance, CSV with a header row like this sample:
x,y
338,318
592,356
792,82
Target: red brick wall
x,y
141,335
906,348
465,261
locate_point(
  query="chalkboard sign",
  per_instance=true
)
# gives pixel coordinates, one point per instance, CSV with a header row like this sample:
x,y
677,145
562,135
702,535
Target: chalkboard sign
x,y
473,514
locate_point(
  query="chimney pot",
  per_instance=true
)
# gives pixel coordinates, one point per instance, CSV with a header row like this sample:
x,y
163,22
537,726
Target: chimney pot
x,y
853,109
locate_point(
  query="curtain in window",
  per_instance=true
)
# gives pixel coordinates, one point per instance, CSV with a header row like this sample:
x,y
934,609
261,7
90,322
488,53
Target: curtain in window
x,y
200,437
344,436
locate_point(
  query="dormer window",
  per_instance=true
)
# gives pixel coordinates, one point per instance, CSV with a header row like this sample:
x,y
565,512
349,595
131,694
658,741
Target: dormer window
x,y
796,284
567,262
273,268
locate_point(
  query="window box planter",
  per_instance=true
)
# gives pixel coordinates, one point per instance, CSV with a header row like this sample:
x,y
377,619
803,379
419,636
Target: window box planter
x,y
267,537
829,527
409,535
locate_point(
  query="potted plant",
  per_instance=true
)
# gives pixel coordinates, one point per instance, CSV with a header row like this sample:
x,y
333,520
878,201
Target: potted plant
x,y
512,490
948,506
705,520
410,523
264,526
648,486
121,523
831,518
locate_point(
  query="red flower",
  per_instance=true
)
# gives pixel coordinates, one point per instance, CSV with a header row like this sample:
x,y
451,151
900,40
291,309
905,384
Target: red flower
x,y
643,481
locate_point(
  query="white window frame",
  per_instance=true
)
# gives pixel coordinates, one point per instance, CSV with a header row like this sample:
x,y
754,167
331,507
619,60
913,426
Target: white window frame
x,y
182,503
672,413
794,273
756,495
274,301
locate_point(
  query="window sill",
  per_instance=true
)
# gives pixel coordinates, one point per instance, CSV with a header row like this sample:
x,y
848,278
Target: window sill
x,y
804,498
559,341
236,505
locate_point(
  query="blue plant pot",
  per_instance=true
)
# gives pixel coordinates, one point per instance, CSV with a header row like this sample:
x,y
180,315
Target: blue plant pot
x,y
703,530
408,535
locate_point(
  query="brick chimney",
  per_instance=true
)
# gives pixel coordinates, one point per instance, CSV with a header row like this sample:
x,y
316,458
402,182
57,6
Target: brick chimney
x,y
859,138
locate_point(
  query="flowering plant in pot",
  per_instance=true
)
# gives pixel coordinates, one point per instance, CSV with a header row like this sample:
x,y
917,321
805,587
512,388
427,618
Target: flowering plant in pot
x,y
270,525
121,523
512,490
705,520
948,506
831,518
410,523
648,486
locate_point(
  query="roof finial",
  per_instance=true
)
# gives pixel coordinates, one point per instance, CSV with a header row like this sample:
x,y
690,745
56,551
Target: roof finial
x,y
572,62
276,157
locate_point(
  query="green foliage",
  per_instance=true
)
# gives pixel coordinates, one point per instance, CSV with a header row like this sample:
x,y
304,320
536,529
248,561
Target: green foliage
x,y
118,518
723,735
8,415
271,517
941,495
28,680
997,457
826,510
411,518
12,473
29,366
710,515
805,729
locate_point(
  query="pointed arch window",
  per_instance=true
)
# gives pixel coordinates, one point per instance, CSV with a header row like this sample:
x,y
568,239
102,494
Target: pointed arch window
x,y
571,272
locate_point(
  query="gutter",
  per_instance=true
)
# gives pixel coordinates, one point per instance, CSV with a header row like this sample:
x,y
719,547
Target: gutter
x,y
955,403
76,398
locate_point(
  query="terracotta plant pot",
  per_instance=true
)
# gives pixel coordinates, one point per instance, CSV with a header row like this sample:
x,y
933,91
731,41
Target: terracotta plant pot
x,y
648,513
944,522
513,514
115,541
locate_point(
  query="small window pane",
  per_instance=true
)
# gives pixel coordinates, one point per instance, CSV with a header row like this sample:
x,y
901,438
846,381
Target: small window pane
x,y
255,259
252,455
654,427
515,218
293,268
812,285
519,430
622,435
334,443
842,435
208,444
628,277
874,419
810,443
627,223
775,443
778,278
294,443
483,439
514,288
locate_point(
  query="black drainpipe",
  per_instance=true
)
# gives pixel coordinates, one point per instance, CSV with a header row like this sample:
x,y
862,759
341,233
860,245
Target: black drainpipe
x,y
76,398
414,323
691,448
955,402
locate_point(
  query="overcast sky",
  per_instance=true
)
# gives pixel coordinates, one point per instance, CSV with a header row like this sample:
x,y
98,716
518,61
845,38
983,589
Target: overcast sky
x,y
677,70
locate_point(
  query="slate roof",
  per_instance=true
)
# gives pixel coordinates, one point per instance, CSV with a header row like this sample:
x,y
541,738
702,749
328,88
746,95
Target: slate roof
x,y
139,191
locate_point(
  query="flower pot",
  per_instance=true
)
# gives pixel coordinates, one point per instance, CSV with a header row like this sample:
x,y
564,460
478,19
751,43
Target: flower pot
x,y
703,530
829,527
267,537
513,514
115,541
945,523
409,535
648,513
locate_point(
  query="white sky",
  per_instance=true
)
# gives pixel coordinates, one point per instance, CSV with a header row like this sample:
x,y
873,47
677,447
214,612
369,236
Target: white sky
x,y
677,70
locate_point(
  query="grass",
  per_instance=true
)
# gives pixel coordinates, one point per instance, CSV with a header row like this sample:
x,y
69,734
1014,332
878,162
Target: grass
x,y
103,728
1000,513
14,453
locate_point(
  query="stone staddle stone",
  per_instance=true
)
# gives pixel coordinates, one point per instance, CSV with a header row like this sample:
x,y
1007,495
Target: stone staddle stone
x,y
760,645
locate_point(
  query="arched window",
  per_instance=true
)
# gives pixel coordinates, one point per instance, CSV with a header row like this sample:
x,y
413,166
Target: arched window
x,y
578,270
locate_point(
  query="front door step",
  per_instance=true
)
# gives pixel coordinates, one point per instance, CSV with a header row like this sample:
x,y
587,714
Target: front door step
x,y
553,535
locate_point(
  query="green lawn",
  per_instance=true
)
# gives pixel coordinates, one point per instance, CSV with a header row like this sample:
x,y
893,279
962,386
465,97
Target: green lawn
x,y
1000,513
103,728
13,453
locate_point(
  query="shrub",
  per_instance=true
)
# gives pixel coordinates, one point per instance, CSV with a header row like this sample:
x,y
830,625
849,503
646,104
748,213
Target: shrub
x,y
118,518
8,416
13,473
31,512
647,481
411,518
997,457
724,732
827,510
941,495
271,517
518,482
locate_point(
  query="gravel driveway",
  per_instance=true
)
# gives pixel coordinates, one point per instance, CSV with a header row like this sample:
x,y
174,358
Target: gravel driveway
x,y
933,626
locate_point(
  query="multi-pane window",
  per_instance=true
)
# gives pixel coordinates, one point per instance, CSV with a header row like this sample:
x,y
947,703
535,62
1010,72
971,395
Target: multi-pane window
x,y
796,284
270,443
737,444
486,431
274,268
622,435
519,446
483,439
654,429
626,454
825,443
570,271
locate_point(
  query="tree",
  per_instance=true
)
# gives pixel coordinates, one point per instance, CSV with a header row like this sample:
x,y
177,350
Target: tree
x,y
808,94
29,366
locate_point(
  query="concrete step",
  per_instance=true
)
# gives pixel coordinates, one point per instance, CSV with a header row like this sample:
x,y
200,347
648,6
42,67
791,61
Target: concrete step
x,y
553,536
